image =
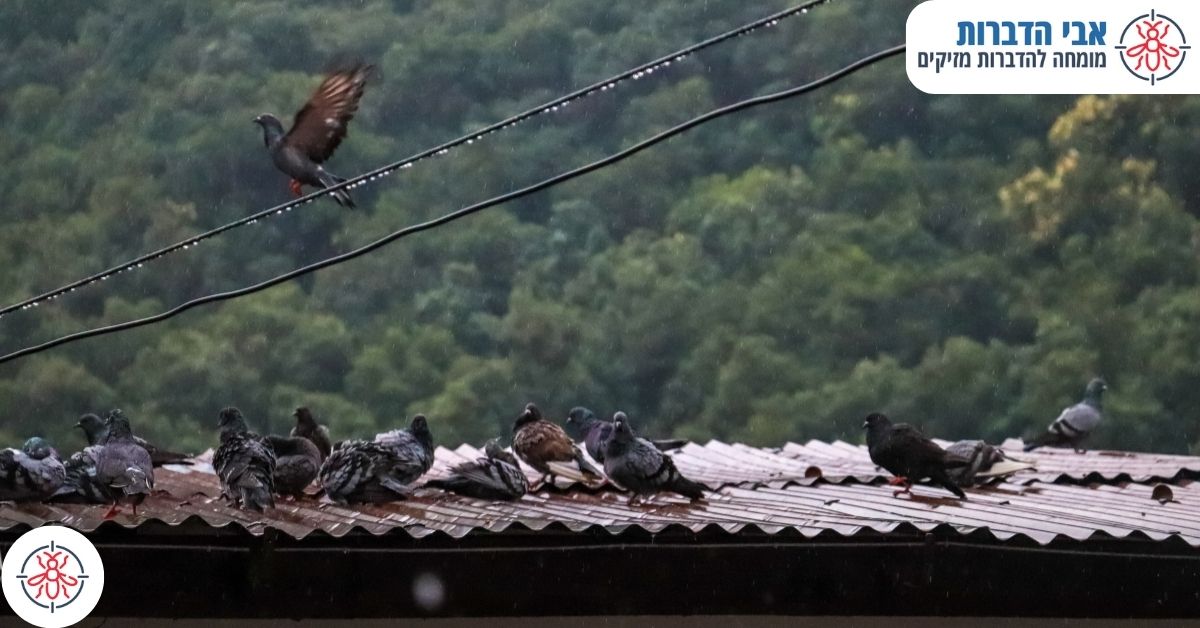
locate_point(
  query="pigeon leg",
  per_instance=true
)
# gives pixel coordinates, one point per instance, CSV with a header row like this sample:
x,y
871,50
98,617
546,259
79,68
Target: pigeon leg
x,y
902,482
898,480
112,512
294,186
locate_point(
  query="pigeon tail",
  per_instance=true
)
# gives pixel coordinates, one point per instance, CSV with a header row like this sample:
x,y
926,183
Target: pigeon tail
x,y
670,443
342,196
584,466
688,488
256,498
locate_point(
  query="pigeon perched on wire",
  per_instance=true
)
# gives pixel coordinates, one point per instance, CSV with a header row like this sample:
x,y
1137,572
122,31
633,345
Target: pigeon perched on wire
x,y
907,454
297,461
539,442
1075,422
595,432
317,130
307,427
244,463
413,447
497,475
31,473
359,471
985,462
124,471
637,465
95,432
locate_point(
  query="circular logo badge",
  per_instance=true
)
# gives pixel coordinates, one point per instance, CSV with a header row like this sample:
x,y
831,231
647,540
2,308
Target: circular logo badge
x,y
1153,47
52,577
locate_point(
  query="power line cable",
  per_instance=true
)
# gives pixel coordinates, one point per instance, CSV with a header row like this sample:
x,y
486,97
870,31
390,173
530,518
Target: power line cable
x,y
550,107
466,211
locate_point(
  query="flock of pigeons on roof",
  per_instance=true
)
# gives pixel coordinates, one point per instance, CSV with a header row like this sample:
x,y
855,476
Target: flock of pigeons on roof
x,y
117,467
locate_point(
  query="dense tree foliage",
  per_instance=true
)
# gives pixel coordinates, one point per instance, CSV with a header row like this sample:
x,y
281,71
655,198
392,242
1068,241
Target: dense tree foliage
x,y
964,263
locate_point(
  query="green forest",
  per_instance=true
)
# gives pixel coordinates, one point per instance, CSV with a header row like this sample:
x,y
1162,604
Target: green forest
x,y
965,264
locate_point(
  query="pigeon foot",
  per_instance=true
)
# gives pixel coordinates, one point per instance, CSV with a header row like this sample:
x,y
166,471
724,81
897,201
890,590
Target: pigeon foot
x,y
294,186
112,512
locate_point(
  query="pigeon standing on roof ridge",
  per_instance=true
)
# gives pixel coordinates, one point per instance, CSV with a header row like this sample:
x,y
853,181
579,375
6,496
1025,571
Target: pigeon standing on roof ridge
x,y
81,483
244,463
96,432
317,130
297,461
909,455
497,475
1076,422
124,471
413,448
31,473
307,426
361,471
636,464
539,442
594,433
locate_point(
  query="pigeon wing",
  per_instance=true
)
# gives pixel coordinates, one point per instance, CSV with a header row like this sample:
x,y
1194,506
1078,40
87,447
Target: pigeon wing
x,y
320,125
1076,420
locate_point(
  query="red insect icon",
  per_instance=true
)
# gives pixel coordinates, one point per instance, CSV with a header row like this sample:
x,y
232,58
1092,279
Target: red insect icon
x,y
1153,53
51,582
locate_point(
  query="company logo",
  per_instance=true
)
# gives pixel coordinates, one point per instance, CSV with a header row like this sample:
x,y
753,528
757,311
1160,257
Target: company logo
x,y
1153,47
52,577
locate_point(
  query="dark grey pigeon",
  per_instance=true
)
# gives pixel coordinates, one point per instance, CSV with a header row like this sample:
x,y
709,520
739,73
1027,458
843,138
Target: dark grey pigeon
x,y
31,473
244,464
907,454
413,447
636,464
95,432
595,432
307,427
498,475
297,461
123,468
317,130
359,471
1075,422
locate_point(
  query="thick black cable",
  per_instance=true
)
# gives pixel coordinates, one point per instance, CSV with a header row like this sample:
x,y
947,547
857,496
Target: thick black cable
x,y
442,149
465,211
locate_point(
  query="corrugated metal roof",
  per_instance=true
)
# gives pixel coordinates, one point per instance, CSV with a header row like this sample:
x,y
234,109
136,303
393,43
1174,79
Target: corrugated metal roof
x,y
812,489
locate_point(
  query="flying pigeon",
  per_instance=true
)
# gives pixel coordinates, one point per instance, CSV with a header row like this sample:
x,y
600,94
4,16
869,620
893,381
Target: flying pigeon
x,y
307,427
31,473
636,464
317,130
1075,422
907,454
498,475
539,442
96,433
413,448
985,462
124,472
297,461
595,433
244,464
360,471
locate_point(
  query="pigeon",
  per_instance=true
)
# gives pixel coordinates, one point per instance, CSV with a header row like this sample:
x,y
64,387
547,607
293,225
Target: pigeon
x,y
413,448
907,454
297,461
359,471
308,427
595,433
31,473
244,464
81,484
539,442
1075,422
498,476
124,471
636,464
317,130
95,433
985,462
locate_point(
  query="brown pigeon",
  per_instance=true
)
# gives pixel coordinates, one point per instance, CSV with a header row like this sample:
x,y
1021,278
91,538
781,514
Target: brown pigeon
x,y
539,442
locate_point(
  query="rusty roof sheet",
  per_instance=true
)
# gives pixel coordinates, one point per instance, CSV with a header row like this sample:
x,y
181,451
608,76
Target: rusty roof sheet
x,y
769,490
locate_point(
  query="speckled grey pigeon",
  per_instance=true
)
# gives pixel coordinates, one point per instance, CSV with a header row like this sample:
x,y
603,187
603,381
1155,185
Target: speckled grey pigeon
x,y
595,432
297,461
539,442
31,473
317,130
907,454
81,484
413,447
307,427
985,463
244,464
360,471
497,475
95,432
123,468
1075,422
636,464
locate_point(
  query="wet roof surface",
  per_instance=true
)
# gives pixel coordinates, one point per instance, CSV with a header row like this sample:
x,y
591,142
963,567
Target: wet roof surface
x,y
814,488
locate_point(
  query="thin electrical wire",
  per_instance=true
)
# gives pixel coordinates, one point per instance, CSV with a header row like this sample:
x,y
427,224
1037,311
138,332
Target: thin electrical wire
x,y
635,73
466,211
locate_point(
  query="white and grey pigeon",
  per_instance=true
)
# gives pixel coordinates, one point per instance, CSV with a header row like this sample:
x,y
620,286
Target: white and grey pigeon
x,y
124,471
986,463
1075,422
360,471
497,475
413,447
31,473
244,464
96,433
81,483
636,464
